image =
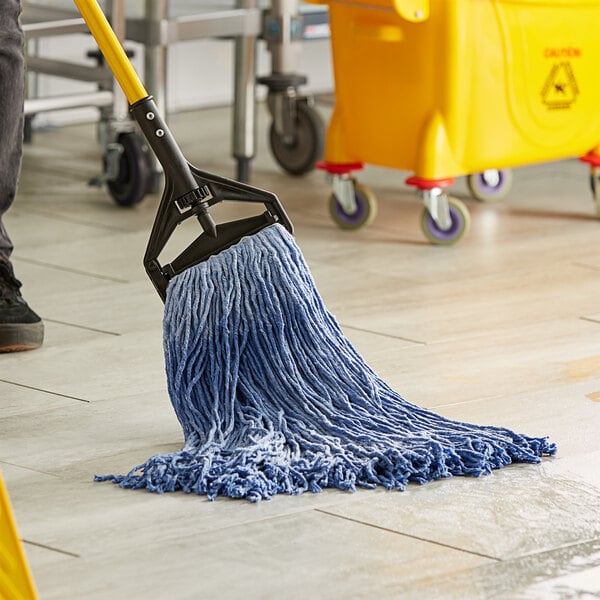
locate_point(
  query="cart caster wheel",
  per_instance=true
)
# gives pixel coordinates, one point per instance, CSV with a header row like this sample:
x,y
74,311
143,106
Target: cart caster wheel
x,y
365,208
134,177
300,155
460,221
490,185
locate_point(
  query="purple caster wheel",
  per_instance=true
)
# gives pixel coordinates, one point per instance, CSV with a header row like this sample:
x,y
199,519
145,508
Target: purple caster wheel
x,y
460,221
363,213
490,185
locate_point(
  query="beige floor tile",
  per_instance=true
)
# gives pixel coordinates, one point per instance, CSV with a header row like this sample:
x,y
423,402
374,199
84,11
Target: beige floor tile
x,y
30,229
437,311
80,439
114,257
106,367
535,414
487,365
115,308
519,510
567,572
125,519
288,556
18,401
584,466
587,583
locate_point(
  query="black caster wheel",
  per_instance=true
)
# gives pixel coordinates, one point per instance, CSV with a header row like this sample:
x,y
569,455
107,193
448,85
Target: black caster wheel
x,y
300,155
364,211
134,177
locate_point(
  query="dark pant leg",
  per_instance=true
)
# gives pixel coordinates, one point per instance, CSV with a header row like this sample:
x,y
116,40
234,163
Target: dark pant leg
x,y
12,85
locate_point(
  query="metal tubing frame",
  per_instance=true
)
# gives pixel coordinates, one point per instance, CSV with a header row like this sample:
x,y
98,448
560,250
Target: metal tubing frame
x,y
157,31
34,106
284,47
244,114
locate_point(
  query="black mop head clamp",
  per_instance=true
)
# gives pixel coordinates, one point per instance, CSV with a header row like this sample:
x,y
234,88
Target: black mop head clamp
x,y
190,192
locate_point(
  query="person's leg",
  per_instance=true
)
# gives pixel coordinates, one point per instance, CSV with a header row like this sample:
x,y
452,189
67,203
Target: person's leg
x,y
20,327
12,85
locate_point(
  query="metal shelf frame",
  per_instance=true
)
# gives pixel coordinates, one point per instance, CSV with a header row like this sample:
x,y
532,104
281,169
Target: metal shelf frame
x,y
156,30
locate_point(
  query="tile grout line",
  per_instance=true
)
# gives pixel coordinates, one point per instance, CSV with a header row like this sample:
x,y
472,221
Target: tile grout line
x,y
31,387
386,335
19,466
584,266
45,547
590,320
65,219
567,546
47,320
414,537
41,263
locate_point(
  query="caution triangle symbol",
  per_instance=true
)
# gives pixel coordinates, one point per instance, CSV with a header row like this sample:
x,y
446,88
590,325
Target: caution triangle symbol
x,y
560,89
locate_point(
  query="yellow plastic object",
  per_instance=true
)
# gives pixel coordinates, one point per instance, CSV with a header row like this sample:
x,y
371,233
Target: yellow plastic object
x,y
411,10
16,582
479,84
112,50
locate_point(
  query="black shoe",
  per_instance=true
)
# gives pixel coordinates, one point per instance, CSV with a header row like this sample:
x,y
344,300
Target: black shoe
x,y
20,327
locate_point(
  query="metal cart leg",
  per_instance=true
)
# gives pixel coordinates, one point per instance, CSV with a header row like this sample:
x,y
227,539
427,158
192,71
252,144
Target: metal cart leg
x,y
244,103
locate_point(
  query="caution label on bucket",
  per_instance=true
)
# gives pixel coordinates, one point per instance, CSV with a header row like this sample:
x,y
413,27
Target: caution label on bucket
x,y
566,52
560,89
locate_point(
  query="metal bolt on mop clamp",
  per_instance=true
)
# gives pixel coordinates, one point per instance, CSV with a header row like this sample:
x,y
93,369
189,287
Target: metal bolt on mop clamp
x,y
188,191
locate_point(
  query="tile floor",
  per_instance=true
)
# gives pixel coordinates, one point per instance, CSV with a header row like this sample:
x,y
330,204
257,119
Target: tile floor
x,y
503,328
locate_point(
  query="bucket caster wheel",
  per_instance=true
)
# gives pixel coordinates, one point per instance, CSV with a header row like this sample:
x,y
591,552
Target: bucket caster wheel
x,y
458,223
297,154
490,185
128,169
355,211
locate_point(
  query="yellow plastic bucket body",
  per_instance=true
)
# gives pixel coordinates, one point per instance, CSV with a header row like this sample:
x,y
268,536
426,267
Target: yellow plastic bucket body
x,y
476,84
16,582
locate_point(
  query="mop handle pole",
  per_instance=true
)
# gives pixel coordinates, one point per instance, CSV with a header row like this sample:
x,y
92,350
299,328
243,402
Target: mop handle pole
x,y
112,50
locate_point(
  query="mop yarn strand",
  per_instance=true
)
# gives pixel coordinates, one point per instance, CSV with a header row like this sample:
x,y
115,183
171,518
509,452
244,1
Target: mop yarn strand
x,y
272,398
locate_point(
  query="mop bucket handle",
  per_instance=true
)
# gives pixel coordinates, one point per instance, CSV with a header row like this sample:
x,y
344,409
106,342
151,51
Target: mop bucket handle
x,y
112,50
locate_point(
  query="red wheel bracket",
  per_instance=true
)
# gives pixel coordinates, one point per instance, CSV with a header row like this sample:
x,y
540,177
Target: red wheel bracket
x,y
339,168
429,184
591,158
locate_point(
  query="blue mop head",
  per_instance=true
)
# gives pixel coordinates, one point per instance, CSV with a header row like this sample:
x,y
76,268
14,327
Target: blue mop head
x,y
272,398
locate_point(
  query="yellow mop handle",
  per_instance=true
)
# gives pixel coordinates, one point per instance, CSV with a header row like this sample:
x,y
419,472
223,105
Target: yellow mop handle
x,y
112,50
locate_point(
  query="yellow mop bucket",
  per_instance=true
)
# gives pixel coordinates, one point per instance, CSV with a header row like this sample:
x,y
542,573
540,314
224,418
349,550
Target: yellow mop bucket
x,y
464,87
15,579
